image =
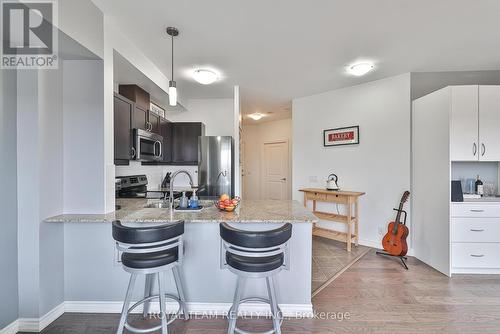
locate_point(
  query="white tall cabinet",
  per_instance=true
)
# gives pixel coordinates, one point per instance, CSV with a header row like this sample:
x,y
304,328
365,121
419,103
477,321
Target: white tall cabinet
x,y
456,123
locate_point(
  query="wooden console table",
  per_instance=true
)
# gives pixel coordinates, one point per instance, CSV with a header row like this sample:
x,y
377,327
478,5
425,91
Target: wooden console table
x,y
347,198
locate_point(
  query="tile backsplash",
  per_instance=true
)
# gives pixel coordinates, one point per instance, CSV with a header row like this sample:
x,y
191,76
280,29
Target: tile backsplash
x,y
155,174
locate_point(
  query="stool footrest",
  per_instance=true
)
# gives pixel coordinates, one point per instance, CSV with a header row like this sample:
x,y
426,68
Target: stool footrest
x,y
148,299
255,299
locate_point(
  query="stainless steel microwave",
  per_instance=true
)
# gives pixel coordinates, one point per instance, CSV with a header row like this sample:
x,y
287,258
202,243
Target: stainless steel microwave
x,y
148,146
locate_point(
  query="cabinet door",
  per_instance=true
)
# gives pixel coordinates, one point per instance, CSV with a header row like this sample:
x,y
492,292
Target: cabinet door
x,y
185,142
122,130
489,123
154,120
464,123
166,133
140,118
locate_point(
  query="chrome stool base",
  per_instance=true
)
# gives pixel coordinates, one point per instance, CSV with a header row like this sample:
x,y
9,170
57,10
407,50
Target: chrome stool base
x,y
255,299
181,306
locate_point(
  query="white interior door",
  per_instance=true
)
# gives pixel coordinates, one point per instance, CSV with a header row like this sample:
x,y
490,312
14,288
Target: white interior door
x,y
489,120
275,179
464,123
430,224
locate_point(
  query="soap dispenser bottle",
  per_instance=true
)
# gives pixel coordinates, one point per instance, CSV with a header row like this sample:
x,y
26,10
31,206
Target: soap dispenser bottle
x,y
193,201
183,201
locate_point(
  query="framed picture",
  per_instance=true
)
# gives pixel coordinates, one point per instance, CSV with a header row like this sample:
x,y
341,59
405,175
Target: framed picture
x,y
341,136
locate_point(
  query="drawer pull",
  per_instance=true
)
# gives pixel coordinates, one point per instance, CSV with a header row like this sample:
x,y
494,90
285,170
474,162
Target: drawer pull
x,y
473,230
476,210
477,255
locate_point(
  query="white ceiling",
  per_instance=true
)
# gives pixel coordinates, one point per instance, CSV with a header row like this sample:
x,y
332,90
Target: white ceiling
x,y
283,49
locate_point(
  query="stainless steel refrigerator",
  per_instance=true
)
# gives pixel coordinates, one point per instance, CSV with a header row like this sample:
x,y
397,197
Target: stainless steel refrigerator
x,y
216,166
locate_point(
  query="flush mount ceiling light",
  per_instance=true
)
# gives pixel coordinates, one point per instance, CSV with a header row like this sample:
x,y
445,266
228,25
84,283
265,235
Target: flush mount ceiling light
x,y
172,85
360,69
205,77
256,116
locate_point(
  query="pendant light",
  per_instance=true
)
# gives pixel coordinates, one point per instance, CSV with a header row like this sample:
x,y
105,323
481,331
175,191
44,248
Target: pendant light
x,y
172,86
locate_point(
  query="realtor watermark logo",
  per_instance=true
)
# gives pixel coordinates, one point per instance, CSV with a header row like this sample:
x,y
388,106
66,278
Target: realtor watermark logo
x,y
29,34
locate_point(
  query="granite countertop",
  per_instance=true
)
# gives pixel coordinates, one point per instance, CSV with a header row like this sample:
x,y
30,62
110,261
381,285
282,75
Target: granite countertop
x,y
249,211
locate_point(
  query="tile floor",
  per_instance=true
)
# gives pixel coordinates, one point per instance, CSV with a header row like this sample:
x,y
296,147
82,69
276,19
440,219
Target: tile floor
x,y
330,257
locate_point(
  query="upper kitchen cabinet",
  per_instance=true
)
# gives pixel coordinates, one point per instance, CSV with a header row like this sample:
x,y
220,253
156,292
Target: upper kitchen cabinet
x,y
464,123
475,120
123,113
185,142
142,117
489,123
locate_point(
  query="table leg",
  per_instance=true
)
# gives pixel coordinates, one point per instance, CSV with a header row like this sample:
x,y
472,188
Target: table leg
x,y
349,221
356,222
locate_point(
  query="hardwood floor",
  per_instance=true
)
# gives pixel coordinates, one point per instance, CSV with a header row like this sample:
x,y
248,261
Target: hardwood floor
x,y
378,295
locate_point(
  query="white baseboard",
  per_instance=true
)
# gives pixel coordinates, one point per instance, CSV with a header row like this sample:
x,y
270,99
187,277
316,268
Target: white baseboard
x,y
36,325
475,271
377,245
370,243
212,309
13,328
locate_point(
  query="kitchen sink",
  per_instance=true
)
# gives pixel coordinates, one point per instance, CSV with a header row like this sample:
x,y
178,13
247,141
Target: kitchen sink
x,y
158,205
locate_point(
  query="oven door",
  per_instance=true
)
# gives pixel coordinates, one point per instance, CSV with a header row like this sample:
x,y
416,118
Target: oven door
x,y
148,145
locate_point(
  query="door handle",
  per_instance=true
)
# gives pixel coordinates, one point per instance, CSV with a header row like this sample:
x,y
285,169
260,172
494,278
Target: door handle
x,y
474,149
283,179
473,230
476,210
477,255
483,148
132,152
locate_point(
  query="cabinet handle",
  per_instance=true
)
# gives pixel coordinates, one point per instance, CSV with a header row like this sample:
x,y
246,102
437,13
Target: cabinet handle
x,y
474,149
132,153
476,210
483,148
473,230
477,255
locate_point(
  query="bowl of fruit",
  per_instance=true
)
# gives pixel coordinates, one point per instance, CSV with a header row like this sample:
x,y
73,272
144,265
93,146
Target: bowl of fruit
x,y
225,203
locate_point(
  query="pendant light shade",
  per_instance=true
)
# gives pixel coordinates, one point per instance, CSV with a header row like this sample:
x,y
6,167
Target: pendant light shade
x,y
172,94
172,85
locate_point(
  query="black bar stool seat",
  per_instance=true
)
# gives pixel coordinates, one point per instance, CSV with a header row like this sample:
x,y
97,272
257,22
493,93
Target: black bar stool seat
x,y
151,260
255,264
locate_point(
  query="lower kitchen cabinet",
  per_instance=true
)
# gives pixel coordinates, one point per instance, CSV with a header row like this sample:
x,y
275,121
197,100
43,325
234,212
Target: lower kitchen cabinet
x,y
475,238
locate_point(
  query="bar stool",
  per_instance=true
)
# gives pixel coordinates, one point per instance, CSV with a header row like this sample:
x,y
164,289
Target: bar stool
x,y
255,254
151,251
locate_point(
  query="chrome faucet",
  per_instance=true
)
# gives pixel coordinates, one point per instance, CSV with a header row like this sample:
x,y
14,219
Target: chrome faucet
x,y
172,178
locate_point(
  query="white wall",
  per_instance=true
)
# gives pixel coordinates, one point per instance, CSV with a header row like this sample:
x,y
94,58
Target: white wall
x,y
216,114
254,136
379,165
84,157
8,199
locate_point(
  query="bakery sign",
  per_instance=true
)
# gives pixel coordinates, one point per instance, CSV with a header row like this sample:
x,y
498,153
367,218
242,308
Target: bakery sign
x,y
341,136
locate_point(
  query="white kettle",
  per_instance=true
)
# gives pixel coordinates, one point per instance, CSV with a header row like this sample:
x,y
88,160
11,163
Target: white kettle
x,y
331,182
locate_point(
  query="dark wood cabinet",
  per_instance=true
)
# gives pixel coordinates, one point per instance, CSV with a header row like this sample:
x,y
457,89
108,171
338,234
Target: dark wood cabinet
x,y
140,118
166,133
123,141
154,121
185,142
136,94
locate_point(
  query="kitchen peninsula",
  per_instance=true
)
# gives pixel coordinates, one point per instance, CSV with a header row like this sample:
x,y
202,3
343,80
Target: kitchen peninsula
x,y
95,281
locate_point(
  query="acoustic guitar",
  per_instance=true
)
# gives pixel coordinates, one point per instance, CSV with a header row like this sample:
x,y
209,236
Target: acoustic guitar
x,y
394,242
